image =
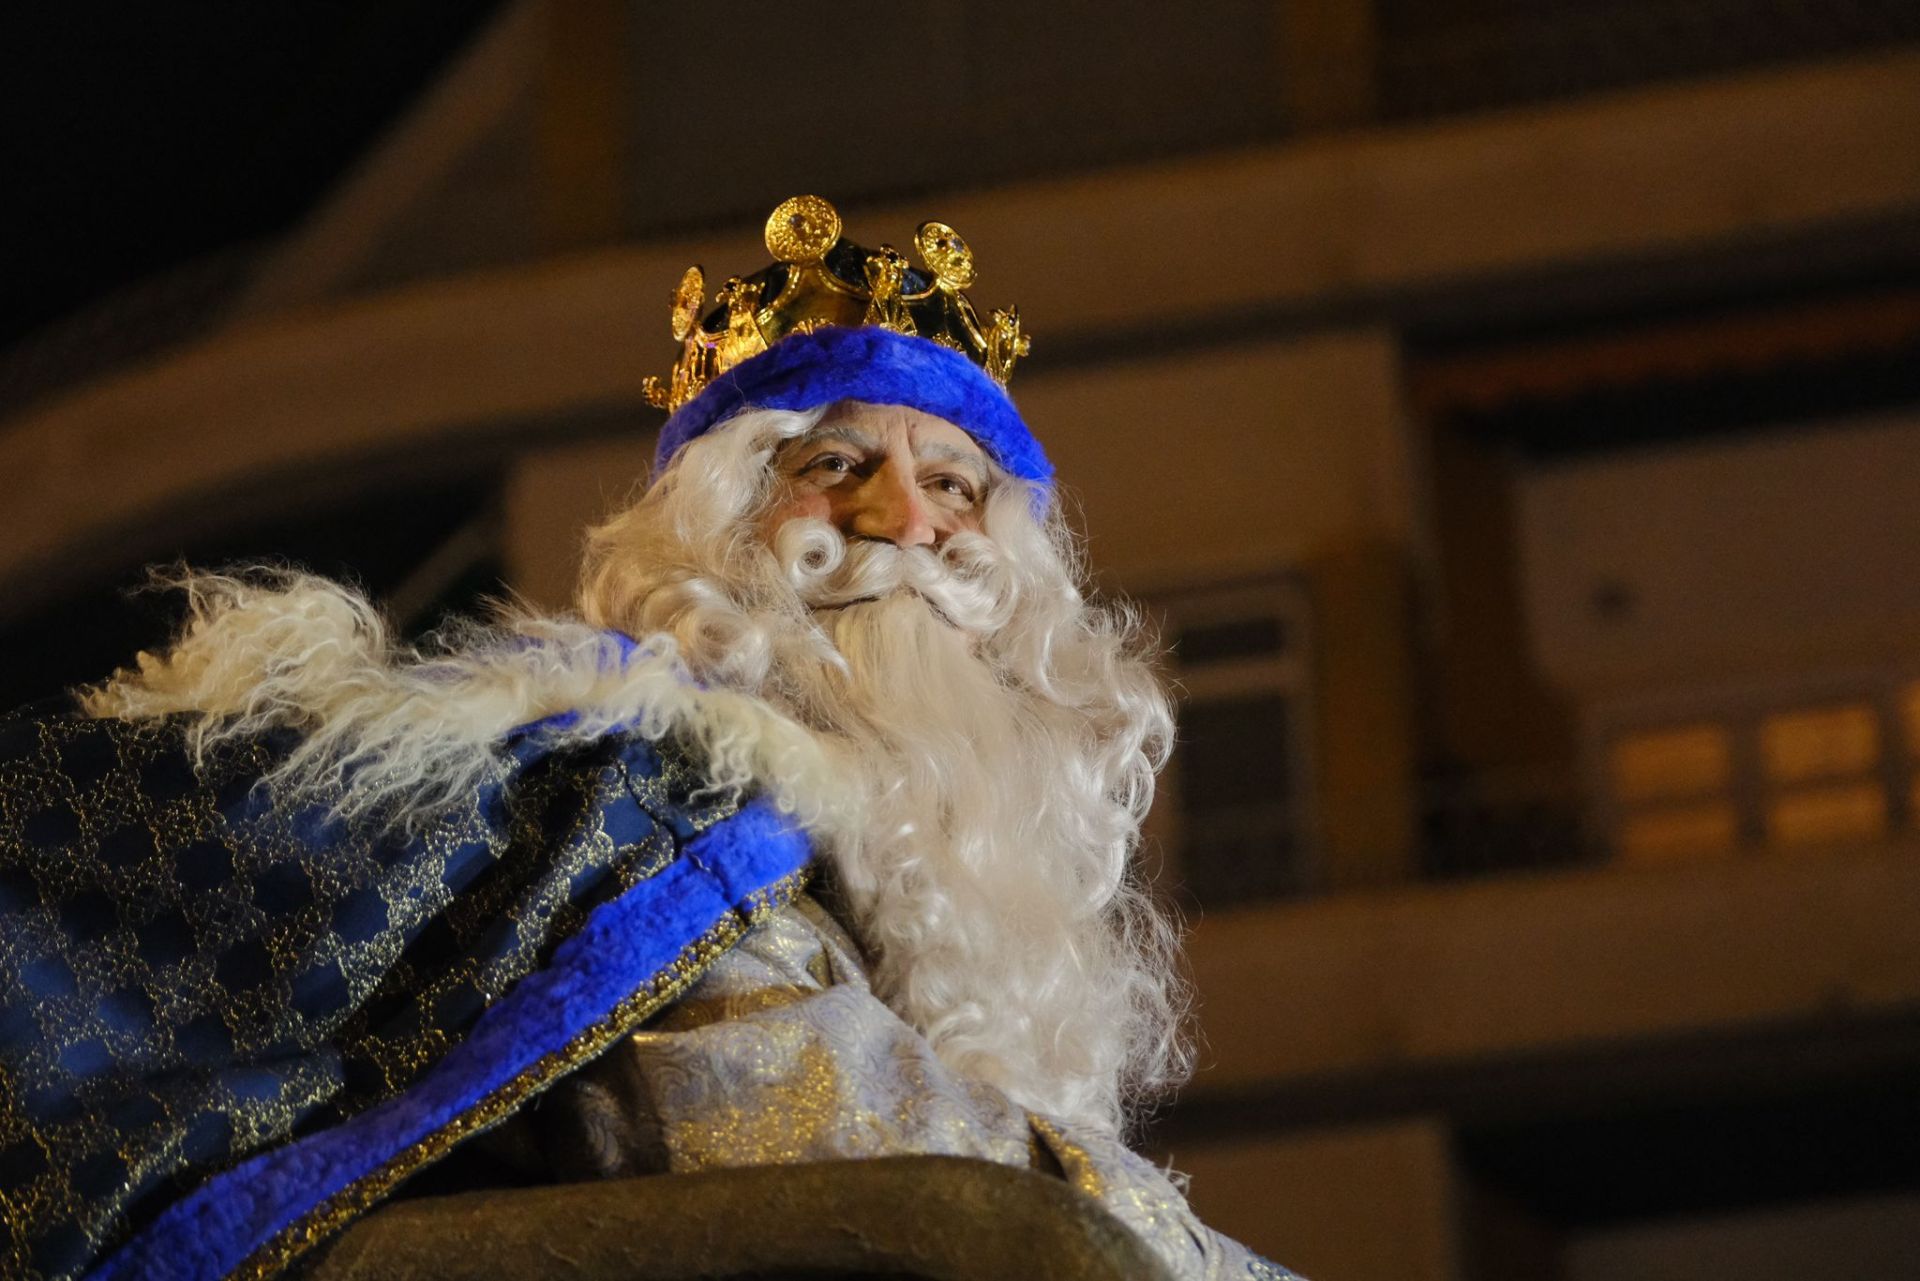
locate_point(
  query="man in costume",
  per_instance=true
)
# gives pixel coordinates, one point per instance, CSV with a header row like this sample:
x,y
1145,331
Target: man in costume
x,y
810,839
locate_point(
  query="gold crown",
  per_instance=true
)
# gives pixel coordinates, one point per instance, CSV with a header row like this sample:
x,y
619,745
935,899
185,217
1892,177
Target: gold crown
x,y
822,278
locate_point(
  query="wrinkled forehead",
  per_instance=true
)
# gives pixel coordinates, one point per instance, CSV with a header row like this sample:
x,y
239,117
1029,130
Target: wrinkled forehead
x,y
881,427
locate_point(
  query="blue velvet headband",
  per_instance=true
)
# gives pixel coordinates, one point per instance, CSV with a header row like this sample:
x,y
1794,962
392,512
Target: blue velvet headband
x,y
867,363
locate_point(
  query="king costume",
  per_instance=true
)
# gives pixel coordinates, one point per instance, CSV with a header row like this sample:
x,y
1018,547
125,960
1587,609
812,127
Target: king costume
x,y
238,1010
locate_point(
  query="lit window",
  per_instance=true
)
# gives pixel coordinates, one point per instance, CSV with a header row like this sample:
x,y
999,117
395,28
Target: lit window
x,y
1823,815
1662,764
1910,712
1799,777
1825,742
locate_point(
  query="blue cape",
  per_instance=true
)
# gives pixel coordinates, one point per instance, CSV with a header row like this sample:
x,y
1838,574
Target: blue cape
x,y
230,1023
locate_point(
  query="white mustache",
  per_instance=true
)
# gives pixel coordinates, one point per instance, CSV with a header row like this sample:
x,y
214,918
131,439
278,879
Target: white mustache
x,y
967,581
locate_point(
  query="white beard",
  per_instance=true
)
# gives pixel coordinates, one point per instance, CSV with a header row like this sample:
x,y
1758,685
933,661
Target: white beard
x,y
993,736
979,873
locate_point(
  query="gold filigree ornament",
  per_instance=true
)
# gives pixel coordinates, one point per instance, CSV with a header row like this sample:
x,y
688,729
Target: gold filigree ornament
x,y
946,254
683,318
687,299
1006,343
886,273
802,229
821,278
742,339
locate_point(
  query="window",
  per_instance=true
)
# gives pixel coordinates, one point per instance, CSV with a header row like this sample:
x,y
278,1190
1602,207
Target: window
x,y
1235,809
1821,768
1673,787
1803,776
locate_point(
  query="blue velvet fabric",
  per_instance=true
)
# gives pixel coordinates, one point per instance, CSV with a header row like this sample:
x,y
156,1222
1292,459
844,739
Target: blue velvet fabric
x,y
867,363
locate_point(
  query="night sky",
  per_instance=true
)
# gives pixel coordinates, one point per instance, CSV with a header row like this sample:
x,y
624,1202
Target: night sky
x,y
139,137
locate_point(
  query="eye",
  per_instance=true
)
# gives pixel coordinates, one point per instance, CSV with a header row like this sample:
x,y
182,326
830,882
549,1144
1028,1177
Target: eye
x,y
952,486
832,464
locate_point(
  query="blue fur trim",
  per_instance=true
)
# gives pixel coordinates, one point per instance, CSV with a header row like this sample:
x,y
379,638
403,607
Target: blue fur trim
x,y
879,366
624,944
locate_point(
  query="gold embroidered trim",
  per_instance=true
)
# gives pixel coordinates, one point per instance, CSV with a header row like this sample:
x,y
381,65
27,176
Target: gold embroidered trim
x,y
1079,1165
357,1197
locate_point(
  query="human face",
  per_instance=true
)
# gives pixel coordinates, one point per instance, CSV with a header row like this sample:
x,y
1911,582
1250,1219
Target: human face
x,y
882,472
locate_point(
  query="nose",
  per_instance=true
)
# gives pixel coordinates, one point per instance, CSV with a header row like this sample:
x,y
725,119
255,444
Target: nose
x,y
890,506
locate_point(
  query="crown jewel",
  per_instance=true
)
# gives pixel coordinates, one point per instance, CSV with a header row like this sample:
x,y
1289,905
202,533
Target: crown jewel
x,y
822,278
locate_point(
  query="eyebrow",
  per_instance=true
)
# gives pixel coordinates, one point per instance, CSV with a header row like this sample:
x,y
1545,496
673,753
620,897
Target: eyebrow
x,y
844,433
938,451
932,451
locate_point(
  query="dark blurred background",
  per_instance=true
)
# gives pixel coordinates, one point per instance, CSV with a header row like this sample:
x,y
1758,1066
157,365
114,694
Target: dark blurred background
x,y
1510,413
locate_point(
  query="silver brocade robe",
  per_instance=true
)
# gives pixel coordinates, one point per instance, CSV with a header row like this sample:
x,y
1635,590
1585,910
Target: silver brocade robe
x,y
781,1053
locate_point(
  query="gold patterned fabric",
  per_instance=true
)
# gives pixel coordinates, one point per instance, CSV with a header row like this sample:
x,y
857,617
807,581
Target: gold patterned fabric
x,y
782,1054
193,970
